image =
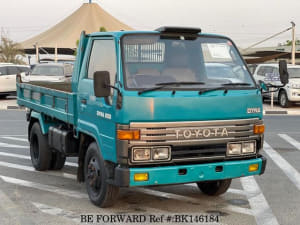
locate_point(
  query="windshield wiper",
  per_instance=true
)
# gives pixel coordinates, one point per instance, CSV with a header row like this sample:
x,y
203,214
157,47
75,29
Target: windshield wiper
x,y
213,89
236,84
166,84
223,87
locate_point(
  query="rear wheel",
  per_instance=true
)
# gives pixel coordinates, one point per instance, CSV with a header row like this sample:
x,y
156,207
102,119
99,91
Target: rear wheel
x,y
100,192
214,188
58,161
39,150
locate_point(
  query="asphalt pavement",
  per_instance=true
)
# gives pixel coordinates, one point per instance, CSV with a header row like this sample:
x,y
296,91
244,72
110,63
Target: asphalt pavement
x,y
54,197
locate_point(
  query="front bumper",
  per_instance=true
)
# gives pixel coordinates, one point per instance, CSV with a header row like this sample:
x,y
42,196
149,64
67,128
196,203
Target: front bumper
x,y
294,95
164,175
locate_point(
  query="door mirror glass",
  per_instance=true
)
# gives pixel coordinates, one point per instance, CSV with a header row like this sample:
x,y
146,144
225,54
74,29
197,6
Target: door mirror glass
x,y
263,85
283,71
101,84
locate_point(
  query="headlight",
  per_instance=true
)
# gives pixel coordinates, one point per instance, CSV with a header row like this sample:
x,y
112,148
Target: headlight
x,y
234,148
141,154
248,147
296,86
151,154
161,153
241,148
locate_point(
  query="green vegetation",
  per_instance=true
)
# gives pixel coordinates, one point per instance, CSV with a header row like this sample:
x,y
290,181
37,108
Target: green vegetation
x,y
10,51
289,43
102,29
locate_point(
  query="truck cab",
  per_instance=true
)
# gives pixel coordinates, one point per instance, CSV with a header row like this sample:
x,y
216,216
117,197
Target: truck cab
x,y
143,110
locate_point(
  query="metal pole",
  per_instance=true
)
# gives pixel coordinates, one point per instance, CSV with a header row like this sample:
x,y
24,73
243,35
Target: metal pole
x,y
293,42
55,54
272,100
37,53
251,46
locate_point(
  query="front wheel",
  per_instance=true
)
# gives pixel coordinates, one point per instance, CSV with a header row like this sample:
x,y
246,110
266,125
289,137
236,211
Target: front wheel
x,y
100,192
214,188
283,100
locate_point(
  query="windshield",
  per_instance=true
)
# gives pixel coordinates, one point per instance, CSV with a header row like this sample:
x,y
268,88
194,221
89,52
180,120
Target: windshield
x,y
294,72
48,70
150,60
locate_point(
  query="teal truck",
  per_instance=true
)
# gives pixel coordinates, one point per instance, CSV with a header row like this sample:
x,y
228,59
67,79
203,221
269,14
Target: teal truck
x,y
148,108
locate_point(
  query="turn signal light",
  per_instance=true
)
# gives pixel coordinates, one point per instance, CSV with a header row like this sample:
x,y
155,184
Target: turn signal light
x,y
259,129
141,177
128,134
253,167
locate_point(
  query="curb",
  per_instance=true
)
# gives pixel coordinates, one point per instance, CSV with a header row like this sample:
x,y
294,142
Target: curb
x,y
282,112
12,107
272,112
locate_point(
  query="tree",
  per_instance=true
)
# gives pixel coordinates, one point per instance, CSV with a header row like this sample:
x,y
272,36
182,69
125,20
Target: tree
x,y
102,29
289,43
10,51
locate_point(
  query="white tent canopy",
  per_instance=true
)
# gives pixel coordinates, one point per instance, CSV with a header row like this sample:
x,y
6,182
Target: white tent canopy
x,y
89,17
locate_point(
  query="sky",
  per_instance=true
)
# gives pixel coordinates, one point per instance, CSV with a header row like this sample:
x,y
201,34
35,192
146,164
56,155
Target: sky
x,y
244,21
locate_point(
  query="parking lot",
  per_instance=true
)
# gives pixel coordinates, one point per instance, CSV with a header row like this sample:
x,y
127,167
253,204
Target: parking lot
x,y
31,197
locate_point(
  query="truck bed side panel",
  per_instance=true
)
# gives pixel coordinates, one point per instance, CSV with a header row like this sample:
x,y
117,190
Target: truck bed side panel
x,y
54,103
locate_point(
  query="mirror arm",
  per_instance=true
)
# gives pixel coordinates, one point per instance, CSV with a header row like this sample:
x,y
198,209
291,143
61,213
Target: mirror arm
x,y
119,98
113,87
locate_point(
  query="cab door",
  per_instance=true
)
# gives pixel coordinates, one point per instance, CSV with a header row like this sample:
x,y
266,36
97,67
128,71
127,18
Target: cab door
x,y
97,115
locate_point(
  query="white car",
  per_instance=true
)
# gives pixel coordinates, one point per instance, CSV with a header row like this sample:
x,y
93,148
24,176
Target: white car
x,y
8,74
50,72
223,72
290,93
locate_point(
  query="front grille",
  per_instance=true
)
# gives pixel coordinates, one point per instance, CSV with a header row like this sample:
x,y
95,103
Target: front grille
x,y
196,140
194,132
198,152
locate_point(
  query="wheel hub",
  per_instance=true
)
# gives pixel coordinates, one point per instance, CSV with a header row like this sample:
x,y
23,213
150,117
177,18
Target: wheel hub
x,y
93,174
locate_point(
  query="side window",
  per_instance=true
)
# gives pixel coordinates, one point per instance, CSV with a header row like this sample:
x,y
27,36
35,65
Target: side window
x,y
268,70
276,71
23,69
3,70
261,71
12,70
103,58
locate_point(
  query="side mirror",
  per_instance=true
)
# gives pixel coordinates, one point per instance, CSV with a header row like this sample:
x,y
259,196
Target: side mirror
x,y
263,85
18,78
101,84
27,73
283,71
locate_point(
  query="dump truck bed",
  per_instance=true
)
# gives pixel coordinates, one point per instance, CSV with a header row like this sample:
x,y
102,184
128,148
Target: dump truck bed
x,y
49,98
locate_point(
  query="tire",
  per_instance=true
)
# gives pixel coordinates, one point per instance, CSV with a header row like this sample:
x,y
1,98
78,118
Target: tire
x,y
58,161
214,188
39,150
3,96
100,192
283,100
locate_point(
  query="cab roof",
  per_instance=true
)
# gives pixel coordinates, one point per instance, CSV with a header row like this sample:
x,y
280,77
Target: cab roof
x,y
176,30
